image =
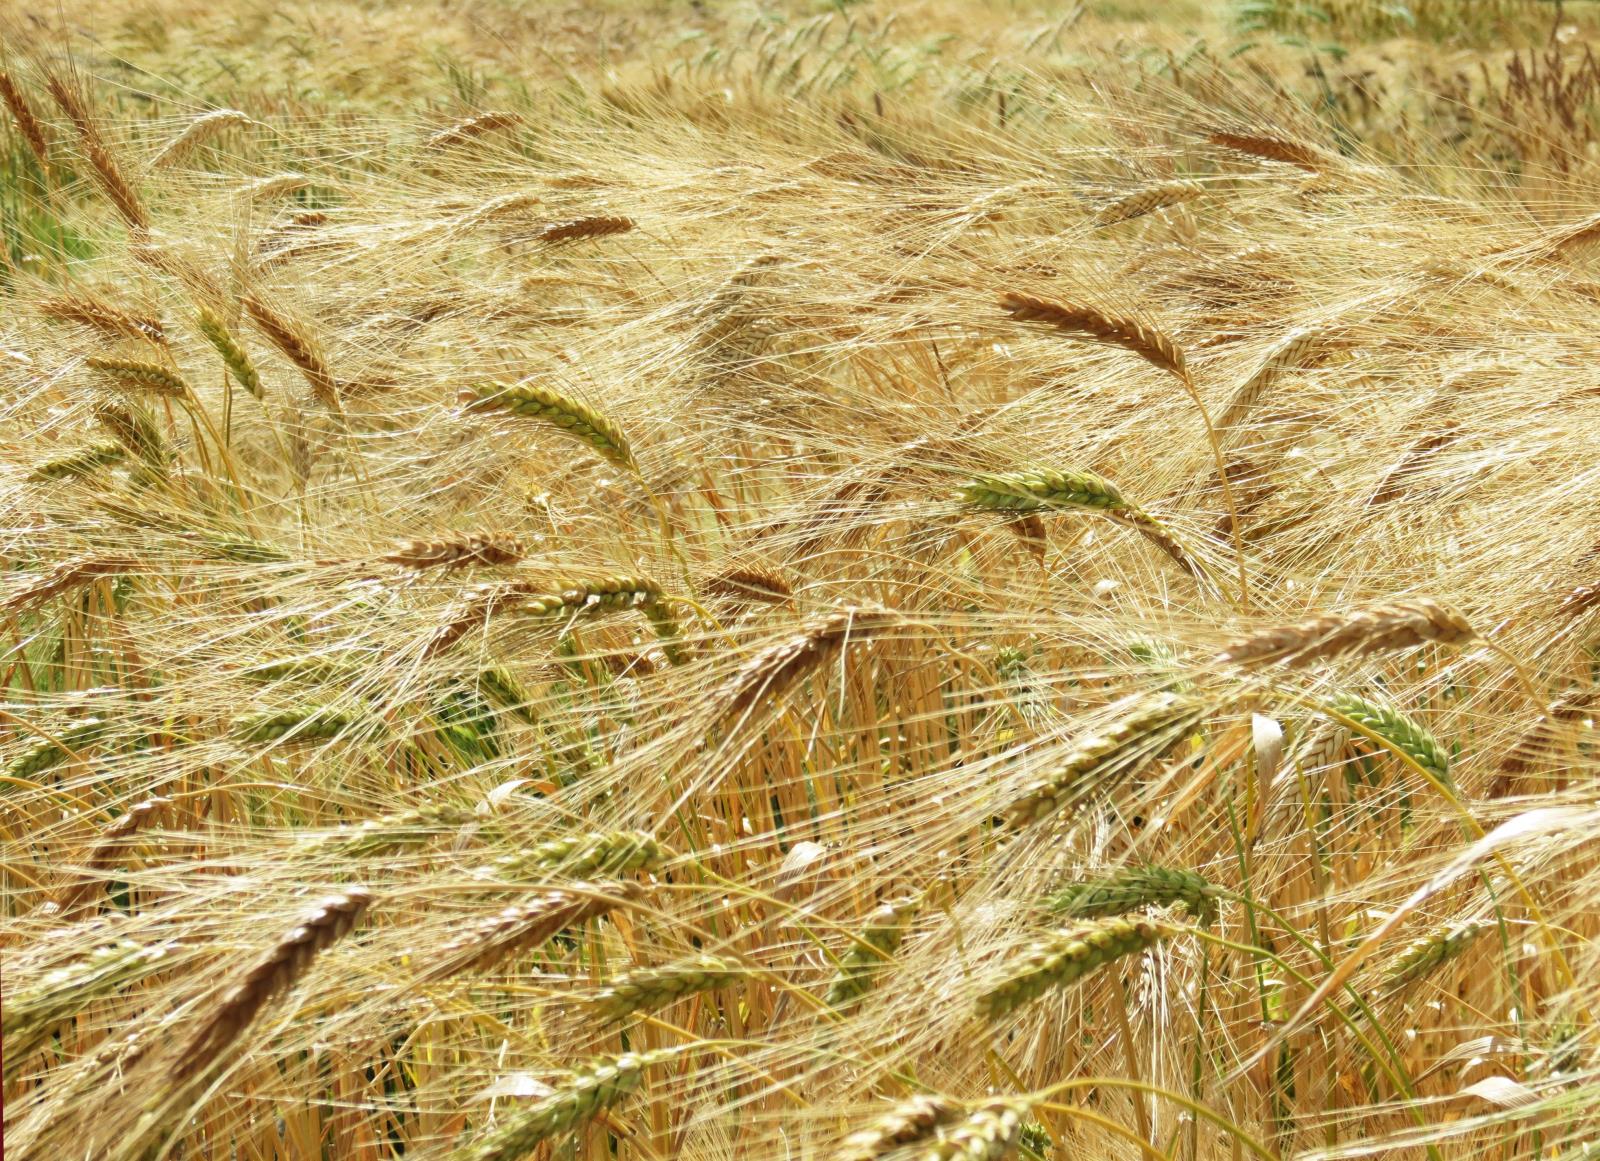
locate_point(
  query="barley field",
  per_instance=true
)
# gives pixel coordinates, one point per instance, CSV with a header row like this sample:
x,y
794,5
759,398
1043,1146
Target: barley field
x,y
936,581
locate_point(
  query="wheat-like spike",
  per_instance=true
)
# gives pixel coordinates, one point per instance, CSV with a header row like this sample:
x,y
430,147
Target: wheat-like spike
x,y
135,430
101,160
1397,480
861,964
81,461
1103,759
651,989
1535,743
560,411
200,130
315,668
1044,489
109,320
1270,148
483,550
294,341
1430,951
907,1123
1289,352
1063,957
1161,536
506,692
47,753
316,723
234,356
526,926
377,837
595,227
30,1012
139,375
988,1134
577,1098
27,124
1147,200
1568,235
1131,888
576,595
667,630
1100,326
612,852
1371,629
274,186
1400,731
64,578
750,583
776,668
473,127
112,840
274,974
1324,746
500,207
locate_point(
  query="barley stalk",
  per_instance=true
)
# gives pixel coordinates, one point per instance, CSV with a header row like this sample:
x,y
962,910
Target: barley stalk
x,y
1131,888
1064,957
651,989
563,412
1371,629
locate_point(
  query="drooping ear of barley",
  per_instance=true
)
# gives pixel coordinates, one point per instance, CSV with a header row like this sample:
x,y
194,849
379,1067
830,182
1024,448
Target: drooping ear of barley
x,y
500,687
909,1122
1092,323
27,124
560,411
1044,488
1537,743
136,431
650,989
1131,888
200,130
595,227
32,1010
44,754
1270,148
573,1100
1288,353
274,974
611,852
525,926
311,723
1149,199
107,172
81,461
64,578
1370,629
234,356
138,375
1102,760
750,583
294,341
1400,731
100,857
773,671
1063,957
864,960
483,550
473,127
1430,951
97,314
988,1134
389,833
501,207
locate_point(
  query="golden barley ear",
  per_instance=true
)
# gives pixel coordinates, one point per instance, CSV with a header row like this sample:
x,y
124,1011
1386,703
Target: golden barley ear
x,y
525,926
293,339
908,1122
203,128
750,582
1064,957
776,669
471,128
138,375
481,550
1098,325
113,839
102,162
27,124
1270,148
109,320
1148,200
1373,629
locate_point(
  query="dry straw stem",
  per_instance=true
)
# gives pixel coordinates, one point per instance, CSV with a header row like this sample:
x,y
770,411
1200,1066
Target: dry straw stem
x,y
595,227
611,852
872,952
572,1101
1270,148
203,128
561,411
1131,888
79,462
1392,726
772,672
112,840
1379,628
138,375
27,124
650,989
473,127
1064,957
234,356
274,974
101,160
1430,951
32,1011
1149,199
988,1134
909,1122
102,316
1102,760
294,341
526,926
482,550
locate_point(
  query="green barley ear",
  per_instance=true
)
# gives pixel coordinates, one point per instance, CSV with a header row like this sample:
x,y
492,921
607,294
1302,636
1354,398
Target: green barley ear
x,y
1063,957
234,356
562,412
1400,731
909,1122
45,754
392,832
650,989
880,939
1134,887
33,1010
466,722
1042,489
615,852
314,723
132,426
136,374
504,690
1430,951
81,461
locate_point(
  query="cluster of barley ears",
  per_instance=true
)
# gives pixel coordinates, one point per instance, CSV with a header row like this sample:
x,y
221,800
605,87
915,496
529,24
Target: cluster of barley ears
x,y
787,595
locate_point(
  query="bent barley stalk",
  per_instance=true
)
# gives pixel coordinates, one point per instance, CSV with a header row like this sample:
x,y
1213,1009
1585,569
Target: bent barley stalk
x,y
1064,957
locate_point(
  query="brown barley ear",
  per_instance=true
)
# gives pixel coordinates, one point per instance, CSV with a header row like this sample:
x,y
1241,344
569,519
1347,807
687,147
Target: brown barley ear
x,y
770,673
483,550
108,173
525,926
473,127
751,582
1099,326
596,227
111,321
294,341
1270,148
113,839
27,124
66,577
